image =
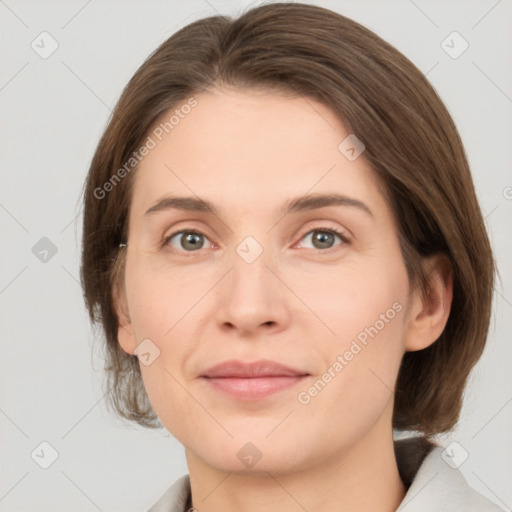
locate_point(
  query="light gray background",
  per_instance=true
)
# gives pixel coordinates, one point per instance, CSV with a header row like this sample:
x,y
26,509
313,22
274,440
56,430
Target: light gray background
x,y
52,114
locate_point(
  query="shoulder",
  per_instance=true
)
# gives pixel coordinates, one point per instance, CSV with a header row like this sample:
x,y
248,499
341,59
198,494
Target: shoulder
x,y
434,484
175,498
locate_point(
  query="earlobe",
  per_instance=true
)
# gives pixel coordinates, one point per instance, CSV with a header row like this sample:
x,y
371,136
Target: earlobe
x,y
124,330
429,314
125,338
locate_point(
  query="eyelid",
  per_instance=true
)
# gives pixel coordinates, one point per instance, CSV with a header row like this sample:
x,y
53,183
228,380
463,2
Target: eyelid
x,y
168,238
341,233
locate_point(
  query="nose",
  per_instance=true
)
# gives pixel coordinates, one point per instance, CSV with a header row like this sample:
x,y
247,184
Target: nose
x,y
253,298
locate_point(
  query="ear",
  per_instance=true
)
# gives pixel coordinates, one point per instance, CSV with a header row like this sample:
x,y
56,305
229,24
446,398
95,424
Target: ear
x,y
125,335
429,314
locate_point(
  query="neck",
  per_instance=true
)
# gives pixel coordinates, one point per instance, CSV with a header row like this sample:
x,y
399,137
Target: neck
x,y
361,477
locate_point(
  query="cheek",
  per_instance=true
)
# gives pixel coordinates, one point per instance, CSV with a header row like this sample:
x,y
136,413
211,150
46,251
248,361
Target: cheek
x,y
360,370
162,310
363,298
366,309
161,300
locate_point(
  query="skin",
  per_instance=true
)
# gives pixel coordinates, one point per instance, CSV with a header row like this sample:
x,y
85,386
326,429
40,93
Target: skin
x,y
299,303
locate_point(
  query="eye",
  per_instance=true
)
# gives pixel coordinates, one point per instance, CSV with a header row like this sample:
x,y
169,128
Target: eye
x,y
193,240
323,238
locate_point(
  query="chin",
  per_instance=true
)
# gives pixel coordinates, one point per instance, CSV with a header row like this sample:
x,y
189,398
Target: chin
x,y
249,456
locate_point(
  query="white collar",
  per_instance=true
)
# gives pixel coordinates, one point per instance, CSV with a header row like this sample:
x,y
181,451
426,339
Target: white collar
x,y
434,484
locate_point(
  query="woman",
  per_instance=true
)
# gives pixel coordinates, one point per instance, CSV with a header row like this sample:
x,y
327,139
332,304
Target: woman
x,y
284,248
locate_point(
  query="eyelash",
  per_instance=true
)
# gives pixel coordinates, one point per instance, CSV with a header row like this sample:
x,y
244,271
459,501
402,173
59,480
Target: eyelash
x,y
334,231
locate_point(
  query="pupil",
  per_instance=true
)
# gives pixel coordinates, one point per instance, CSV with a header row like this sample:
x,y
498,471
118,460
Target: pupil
x,y
189,239
322,236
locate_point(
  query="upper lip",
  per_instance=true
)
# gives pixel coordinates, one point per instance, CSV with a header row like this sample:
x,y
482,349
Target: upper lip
x,y
261,368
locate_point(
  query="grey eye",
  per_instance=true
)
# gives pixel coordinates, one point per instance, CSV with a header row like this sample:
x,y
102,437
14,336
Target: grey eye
x,y
323,238
192,241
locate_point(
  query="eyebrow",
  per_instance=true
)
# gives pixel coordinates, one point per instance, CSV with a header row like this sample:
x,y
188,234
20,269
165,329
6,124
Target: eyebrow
x,y
298,204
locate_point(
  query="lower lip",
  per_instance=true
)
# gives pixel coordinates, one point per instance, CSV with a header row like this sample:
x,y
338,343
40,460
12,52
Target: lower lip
x,y
253,388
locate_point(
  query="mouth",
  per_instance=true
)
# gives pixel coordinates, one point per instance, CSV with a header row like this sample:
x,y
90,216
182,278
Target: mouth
x,y
255,388
252,381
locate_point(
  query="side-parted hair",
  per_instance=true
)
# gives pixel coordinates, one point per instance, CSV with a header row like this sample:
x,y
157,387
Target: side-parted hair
x,y
411,143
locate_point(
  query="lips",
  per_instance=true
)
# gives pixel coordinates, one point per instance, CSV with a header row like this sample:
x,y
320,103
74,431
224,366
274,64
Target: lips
x,y
261,368
252,381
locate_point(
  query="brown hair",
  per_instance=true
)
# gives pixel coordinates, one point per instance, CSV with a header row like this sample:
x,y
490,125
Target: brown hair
x,y
411,143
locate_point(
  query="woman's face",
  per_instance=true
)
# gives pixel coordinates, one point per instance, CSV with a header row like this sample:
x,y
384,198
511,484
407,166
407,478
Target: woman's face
x,y
253,280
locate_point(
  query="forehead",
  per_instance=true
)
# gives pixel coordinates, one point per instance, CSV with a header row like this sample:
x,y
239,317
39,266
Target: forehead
x,y
250,146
